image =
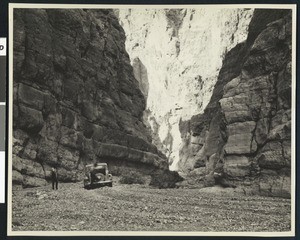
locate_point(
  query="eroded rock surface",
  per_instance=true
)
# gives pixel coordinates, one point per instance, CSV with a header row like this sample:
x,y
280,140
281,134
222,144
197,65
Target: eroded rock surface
x,y
214,90
245,131
177,55
76,99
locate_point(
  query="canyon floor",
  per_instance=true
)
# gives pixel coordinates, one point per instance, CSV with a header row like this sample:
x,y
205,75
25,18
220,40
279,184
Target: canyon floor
x,y
141,208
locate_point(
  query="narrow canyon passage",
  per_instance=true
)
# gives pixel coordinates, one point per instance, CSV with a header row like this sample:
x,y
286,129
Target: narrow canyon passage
x,y
177,54
205,92
185,115
217,91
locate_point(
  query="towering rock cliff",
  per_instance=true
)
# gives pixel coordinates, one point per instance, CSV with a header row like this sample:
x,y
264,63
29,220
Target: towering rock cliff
x,y
176,55
244,134
76,99
210,88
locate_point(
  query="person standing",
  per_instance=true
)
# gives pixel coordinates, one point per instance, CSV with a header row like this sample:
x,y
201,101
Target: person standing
x,y
54,178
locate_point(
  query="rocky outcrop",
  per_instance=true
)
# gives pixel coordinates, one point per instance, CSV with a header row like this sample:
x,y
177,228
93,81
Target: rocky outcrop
x,y
244,134
76,99
177,55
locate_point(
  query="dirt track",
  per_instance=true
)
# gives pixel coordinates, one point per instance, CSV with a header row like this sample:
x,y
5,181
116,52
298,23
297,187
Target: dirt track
x,y
140,208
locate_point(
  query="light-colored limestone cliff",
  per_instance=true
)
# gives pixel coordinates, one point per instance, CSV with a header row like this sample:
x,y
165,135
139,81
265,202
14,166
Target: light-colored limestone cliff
x,y
176,55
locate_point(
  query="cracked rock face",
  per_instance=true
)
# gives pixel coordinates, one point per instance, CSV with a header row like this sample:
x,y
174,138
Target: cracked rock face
x,y
177,55
213,87
76,99
245,131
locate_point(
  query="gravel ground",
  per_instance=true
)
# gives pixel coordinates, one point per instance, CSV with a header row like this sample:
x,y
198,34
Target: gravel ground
x,y
141,208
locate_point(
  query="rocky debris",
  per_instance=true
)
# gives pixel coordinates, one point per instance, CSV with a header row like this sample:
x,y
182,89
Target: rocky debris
x,y
164,180
183,64
140,208
76,99
245,130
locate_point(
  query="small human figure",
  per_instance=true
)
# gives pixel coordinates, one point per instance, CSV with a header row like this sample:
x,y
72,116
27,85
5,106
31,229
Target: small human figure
x,y
54,178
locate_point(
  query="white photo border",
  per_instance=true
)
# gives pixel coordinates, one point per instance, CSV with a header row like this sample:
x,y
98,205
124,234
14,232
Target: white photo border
x,y
10,232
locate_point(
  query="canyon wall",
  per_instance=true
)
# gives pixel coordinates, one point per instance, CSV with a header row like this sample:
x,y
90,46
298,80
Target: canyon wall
x,y
76,99
176,55
244,134
206,92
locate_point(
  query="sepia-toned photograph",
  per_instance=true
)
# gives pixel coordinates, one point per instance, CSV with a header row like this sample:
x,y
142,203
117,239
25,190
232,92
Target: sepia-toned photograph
x,y
152,120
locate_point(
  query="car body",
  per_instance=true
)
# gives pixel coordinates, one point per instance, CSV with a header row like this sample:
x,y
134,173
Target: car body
x,y
97,175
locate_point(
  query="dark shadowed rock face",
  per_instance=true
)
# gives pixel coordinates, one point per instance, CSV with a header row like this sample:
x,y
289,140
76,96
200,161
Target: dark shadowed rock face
x,y
76,99
245,131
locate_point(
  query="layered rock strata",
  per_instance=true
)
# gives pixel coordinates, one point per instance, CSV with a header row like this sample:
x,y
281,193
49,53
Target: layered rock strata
x,y
76,99
176,55
244,133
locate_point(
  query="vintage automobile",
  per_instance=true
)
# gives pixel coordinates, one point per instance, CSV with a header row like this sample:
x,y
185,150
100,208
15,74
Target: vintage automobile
x,y
97,175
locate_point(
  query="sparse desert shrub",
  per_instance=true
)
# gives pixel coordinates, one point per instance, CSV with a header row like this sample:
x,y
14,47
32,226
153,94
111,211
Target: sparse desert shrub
x,y
132,177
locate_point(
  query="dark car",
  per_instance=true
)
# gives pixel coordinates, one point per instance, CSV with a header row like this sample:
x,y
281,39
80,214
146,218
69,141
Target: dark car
x,y
97,175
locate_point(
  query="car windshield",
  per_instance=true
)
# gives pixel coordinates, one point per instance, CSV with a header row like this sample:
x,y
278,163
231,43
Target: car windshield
x,y
99,170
